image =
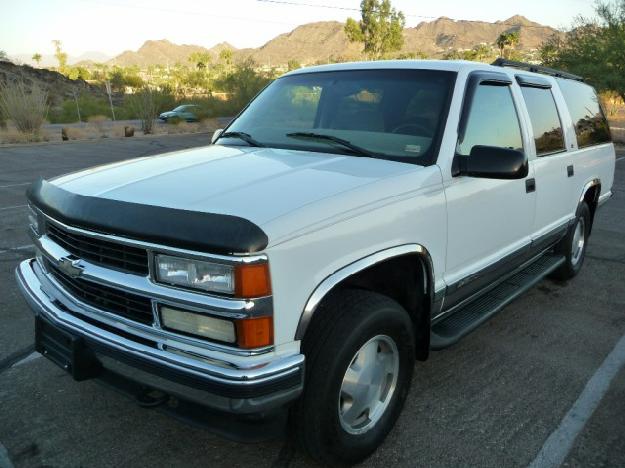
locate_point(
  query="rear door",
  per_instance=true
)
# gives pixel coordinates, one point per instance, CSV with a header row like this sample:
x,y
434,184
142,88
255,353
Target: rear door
x,y
553,165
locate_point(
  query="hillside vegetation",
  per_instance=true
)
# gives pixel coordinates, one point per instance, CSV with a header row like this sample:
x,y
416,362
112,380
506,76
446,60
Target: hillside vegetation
x,y
326,41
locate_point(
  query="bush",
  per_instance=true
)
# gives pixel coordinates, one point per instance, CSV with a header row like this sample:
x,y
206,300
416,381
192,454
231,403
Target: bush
x,y
25,105
147,104
98,122
10,135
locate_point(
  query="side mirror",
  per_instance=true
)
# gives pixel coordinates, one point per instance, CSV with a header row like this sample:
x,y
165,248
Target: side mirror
x,y
491,162
216,134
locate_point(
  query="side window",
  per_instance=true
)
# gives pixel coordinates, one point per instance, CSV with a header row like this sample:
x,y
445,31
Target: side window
x,y
543,112
591,126
492,121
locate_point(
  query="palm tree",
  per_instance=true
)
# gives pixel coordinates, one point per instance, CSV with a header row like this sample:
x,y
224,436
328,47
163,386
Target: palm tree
x,y
482,52
505,40
37,58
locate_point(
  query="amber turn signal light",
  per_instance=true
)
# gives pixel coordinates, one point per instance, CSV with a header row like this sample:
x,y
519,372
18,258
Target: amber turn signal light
x,y
255,332
252,280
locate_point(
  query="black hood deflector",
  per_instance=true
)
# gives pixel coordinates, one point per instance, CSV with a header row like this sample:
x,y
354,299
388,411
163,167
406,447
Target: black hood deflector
x,y
206,232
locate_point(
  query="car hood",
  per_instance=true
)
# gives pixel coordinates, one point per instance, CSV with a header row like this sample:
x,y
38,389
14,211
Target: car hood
x,y
262,185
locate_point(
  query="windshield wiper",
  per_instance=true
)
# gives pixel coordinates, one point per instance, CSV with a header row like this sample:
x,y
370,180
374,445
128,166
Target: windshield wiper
x,y
246,137
357,150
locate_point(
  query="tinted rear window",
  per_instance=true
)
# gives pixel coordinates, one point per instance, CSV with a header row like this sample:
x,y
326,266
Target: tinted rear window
x,y
591,126
546,124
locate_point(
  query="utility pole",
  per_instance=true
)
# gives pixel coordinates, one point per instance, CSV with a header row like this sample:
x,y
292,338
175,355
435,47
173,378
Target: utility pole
x,y
77,106
108,91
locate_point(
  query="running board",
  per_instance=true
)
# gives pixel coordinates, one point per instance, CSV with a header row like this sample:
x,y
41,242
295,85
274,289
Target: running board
x,y
466,319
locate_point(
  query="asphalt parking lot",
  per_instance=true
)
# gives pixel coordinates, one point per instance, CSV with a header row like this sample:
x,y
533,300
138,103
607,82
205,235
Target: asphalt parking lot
x,y
525,378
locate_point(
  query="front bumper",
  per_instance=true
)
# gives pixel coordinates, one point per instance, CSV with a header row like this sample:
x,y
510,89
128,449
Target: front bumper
x,y
261,388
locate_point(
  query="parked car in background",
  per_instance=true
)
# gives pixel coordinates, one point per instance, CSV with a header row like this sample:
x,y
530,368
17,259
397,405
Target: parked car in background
x,y
186,112
351,219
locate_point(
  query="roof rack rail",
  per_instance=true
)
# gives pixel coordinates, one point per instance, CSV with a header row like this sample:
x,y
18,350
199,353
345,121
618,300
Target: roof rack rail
x,y
501,62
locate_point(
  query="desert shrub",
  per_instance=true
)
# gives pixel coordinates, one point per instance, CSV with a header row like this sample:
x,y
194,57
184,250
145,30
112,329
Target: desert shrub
x,y
243,83
174,120
11,135
25,105
81,133
147,103
89,106
99,123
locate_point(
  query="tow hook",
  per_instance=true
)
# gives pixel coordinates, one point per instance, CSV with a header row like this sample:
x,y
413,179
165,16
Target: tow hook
x,y
151,398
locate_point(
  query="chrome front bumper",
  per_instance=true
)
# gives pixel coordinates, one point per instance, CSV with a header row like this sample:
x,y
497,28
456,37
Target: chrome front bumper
x,y
226,386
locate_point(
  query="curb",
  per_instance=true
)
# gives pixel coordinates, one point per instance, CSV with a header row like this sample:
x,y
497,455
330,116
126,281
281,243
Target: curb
x,y
96,140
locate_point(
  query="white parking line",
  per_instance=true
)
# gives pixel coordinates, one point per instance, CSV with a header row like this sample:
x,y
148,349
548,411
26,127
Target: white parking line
x,y
30,357
5,461
15,185
559,443
21,247
620,159
12,207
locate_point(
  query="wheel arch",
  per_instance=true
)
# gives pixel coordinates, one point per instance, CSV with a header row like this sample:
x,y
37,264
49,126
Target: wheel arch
x,y
590,195
413,259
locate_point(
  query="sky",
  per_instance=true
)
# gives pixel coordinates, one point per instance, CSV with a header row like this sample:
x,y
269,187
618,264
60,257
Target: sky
x,y
112,26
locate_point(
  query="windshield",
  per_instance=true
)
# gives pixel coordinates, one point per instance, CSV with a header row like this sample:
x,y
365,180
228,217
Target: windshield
x,y
185,107
393,114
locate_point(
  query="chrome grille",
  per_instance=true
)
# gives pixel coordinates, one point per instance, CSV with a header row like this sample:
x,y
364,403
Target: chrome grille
x,y
110,254
115,301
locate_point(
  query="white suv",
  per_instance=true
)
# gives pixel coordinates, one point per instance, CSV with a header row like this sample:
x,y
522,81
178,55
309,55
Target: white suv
x,y
352,218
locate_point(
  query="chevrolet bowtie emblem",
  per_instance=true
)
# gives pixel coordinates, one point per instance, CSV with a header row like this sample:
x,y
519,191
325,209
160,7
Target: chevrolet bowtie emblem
x,y
70,267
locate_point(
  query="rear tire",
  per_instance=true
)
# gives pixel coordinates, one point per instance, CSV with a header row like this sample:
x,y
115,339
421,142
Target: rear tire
x,y
574,244
360,356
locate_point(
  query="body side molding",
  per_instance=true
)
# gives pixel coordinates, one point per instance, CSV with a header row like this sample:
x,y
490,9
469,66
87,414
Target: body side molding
x,y
338,276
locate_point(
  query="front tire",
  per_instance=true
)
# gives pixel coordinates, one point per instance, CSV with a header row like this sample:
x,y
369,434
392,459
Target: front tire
x,y
360,355
574,244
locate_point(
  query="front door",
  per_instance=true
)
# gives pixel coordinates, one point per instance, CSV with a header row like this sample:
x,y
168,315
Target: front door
x,y
490,221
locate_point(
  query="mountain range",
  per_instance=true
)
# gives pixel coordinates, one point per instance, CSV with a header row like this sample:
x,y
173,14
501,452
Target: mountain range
x,y
50,60
324,41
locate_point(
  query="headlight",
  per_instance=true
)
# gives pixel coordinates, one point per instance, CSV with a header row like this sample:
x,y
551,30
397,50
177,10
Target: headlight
x,y
197,324
196,274
246,280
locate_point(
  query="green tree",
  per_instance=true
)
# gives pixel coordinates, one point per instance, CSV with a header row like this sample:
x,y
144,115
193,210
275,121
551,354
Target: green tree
x,y
506,40
200,60
60,55
594,48
243,83
293,65
37,58
3,55
77,73
483,52
380,28
226,56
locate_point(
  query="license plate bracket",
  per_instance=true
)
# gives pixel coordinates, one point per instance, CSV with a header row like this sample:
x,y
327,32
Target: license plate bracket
x,y
68,351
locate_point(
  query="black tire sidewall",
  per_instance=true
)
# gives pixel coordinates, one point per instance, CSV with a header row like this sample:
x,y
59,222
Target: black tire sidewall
x,y
386,318
582,212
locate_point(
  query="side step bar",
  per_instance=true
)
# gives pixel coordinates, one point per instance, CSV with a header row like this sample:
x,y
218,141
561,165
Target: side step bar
x,y
462,322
